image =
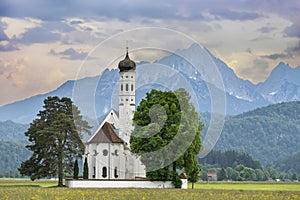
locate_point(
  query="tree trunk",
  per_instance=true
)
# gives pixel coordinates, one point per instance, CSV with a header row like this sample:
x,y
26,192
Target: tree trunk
x,y
192,185
174,166
60,163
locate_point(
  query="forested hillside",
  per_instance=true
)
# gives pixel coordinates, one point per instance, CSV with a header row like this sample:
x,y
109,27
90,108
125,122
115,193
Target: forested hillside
x,y
11,156
268,134
12,148
290,164
11,131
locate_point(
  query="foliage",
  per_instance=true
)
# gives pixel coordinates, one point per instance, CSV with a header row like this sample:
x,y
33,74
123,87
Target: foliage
x,y
267,134
75,170
176,181
85,169
54,140
158,120
222,175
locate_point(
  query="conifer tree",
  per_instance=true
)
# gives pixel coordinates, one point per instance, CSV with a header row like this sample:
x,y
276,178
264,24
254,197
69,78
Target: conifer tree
x,y
85,169
75,170
54,140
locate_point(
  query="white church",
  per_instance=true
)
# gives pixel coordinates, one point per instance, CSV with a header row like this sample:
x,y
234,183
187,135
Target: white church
x,y
108,149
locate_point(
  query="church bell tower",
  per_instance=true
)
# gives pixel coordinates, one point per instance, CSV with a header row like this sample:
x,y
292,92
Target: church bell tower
x,y
126,97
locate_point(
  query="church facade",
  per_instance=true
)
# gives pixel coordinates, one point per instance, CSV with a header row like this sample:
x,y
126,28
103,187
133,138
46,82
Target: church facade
x,y
108,149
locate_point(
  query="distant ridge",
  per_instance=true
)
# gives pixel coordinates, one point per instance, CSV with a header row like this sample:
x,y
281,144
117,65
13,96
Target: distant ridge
x,y
99,92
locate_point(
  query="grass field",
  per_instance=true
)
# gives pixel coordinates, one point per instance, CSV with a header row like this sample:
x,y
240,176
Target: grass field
x,y
26,189
260,186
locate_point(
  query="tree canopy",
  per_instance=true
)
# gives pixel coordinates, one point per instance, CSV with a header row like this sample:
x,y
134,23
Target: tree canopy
x,y
55,140
167,134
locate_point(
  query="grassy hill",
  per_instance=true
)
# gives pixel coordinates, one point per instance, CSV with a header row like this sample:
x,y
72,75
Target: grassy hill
x,y
268,134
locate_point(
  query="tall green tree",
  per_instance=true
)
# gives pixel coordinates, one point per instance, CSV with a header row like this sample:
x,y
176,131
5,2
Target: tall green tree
x,y
75,170
167,134
54,140
85,169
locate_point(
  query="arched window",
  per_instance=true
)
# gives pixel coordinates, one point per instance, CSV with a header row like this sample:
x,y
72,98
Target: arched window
x,y
116,172
104,172
127,87
131,87
121,87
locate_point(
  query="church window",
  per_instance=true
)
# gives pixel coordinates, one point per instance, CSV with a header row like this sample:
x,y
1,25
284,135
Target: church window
x,y
105,152
104,172
131,99
131,76
111,113
127,87
116,172
131,87
121,87
116,152
126,99
126,76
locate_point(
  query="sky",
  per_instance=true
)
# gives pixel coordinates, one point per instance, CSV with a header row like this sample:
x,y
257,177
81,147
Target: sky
x,y
43,43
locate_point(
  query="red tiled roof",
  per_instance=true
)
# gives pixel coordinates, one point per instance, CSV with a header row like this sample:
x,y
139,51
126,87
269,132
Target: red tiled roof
x,y
106,135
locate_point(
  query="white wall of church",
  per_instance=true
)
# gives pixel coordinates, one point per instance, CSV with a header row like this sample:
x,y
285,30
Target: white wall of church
x,y
106,161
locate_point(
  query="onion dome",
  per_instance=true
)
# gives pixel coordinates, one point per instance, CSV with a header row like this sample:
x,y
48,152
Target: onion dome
x,y
126,64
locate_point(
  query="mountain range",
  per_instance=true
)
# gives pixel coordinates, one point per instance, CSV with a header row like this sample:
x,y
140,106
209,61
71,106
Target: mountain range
x,y
191,68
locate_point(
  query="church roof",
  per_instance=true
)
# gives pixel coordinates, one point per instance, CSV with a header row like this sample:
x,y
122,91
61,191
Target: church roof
x,y
126,64
106,134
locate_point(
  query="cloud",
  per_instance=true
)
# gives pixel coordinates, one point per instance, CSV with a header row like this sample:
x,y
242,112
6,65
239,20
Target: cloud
x,y
289,52
293,30
3,36
38,35
235,15
276,56
70,54
266,29
9,46
258,70
126,10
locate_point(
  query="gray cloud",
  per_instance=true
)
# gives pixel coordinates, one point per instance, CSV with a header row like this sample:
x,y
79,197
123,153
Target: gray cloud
x,y
70,54
235,15
8,47
289,52
126,10
38,35
293,30
3,36
266,29
276,56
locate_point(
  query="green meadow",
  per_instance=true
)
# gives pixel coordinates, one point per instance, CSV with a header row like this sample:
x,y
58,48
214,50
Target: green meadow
x,y
44,189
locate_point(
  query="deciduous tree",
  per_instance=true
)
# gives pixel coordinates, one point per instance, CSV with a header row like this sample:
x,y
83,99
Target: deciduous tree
x,y
167,134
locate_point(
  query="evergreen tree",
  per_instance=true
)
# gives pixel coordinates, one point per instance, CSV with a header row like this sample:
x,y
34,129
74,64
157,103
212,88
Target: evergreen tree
x,y
85,169
76,170
54,140
167,134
